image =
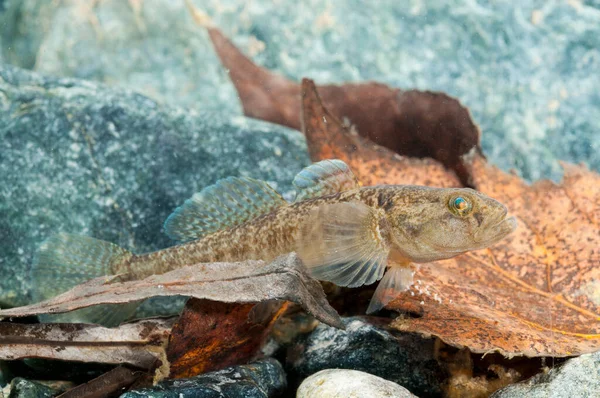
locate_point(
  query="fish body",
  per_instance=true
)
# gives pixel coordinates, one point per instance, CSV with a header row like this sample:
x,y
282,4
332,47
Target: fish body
x,y
262,238
343,233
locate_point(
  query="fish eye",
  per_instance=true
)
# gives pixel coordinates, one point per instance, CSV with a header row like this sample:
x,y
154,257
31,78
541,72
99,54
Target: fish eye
x,y
460,206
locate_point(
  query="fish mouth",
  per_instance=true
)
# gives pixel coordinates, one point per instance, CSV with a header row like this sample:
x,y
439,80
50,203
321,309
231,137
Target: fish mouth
x,y
506,226
498,228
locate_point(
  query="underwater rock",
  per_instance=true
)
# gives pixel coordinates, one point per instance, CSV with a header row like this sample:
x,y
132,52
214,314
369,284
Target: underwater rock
x,y
578,377
405,359
22,388
155,49
261,379
83,158
341,383
528,78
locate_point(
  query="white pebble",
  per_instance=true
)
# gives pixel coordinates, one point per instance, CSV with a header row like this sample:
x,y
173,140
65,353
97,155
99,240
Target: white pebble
x,y
343,383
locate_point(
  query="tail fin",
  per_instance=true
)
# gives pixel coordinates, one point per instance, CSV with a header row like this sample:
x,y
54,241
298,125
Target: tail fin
x,y
64,261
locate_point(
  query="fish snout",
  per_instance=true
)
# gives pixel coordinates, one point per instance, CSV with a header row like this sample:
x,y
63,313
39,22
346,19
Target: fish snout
x,y
497,226
501,214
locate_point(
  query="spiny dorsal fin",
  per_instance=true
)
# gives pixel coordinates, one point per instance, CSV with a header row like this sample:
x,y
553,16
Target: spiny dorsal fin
x,y
324,178
229,202
342,243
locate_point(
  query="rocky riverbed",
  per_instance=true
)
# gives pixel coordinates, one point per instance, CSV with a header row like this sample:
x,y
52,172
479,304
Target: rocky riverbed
x,y
112,113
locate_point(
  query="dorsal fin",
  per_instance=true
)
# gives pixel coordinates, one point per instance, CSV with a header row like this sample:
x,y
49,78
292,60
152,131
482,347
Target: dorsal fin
x,y
229,202
324,178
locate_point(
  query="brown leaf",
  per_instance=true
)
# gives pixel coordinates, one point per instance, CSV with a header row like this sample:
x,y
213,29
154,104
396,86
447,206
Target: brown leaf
x,y
246,282
327,138
211,335
412,123
258,88
536,293
140,344
105,385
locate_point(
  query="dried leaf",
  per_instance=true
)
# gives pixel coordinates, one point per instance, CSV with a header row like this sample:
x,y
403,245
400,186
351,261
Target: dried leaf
x,y
140,344
243,282
105,385
327,138
211,335
412,123
536,293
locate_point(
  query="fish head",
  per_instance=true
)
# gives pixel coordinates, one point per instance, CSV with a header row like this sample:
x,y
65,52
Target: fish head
x,y
429,224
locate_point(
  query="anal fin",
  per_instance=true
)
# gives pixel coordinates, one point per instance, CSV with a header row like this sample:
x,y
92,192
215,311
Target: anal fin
x,y
266,311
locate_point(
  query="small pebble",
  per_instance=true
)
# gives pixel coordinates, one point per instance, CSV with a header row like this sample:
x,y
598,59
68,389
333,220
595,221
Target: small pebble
x,y
342,383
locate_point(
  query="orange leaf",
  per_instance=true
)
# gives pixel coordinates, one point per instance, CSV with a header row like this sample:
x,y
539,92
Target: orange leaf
x,y
211,335
536,293
371,163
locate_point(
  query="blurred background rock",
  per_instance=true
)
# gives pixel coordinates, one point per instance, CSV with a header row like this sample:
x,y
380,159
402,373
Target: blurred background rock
x,y
527,70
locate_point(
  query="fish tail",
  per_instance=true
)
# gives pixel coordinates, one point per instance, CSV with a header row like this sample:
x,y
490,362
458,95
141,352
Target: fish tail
x,y
64,261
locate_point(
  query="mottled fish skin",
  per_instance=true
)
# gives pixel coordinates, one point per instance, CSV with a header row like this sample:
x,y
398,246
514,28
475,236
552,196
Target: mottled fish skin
x,y
411,212
263,238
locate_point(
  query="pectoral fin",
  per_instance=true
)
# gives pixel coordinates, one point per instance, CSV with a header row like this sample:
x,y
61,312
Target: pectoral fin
x,y
396,280
342,243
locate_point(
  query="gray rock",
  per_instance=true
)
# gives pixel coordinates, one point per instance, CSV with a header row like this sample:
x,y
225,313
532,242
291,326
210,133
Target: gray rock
x,y
405,359
82,158
23,27
156,50
527,75
340,383
578,377
261,379
22,388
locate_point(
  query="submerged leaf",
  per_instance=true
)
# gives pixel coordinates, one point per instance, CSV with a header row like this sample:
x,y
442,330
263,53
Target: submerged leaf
x,y
141,344
411,123
243,282
535,293
210,335
106,385
327,138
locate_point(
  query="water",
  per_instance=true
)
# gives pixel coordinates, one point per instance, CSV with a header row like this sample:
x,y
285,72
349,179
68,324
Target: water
x,y
112,113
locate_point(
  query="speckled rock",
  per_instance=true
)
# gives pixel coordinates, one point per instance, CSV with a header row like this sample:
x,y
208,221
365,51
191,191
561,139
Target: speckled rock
x,y
405,359
22,388
155,49
527,70
341,383
261,379
82,158
578,377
